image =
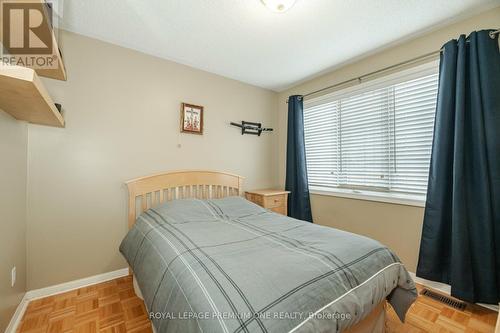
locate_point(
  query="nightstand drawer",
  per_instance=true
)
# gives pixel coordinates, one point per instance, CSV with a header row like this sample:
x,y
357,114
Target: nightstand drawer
x,y
280,210
275,201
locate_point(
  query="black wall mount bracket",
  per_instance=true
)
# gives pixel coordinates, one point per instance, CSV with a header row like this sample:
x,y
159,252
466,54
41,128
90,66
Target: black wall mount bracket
x,y
248,127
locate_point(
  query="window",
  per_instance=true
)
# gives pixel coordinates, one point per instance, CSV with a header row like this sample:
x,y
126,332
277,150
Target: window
x,y
375,138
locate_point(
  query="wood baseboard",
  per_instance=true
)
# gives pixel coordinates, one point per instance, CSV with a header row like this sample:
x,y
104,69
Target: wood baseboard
x,y
18,315
72,285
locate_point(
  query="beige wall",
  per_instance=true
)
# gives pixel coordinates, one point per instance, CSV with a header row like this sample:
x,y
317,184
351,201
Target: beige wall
x,y
397,226
13,154
122,110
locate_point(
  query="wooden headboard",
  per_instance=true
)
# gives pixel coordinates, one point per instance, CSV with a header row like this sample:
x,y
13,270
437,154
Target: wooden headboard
x,y
150,191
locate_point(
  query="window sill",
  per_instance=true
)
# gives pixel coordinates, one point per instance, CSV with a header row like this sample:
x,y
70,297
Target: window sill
x,y
399,199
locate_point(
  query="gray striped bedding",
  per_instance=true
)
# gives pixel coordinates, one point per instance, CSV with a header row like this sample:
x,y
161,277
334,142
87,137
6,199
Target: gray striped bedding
x,y
228,265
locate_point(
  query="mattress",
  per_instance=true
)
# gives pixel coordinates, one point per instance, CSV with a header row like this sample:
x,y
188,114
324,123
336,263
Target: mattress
x,y
228,265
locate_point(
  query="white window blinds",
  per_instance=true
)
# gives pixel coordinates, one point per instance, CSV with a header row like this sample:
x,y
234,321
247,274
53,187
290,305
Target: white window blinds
x,y
373,139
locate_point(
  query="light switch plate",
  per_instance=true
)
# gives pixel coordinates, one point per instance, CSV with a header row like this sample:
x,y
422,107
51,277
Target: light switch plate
x,y
13,277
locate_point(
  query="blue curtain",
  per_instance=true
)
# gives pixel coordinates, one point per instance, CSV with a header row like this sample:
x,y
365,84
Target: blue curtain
x,y
460,242
299,205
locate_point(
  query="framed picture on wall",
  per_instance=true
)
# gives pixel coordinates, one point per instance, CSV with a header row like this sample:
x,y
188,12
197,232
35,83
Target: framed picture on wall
x,y
191,118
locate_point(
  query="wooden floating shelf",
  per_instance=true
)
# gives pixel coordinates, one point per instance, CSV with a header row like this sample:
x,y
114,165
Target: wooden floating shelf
x,y
58,72
23,96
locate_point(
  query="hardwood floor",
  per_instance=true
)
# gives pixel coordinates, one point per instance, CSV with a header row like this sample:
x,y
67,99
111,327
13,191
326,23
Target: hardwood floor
x,y
107,307
113,307
428,315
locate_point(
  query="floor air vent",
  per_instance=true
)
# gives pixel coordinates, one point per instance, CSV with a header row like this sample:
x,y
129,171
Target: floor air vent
x,y
444,299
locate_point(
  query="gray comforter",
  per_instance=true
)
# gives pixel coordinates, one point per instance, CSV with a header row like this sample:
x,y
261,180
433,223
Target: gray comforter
x,y
228,265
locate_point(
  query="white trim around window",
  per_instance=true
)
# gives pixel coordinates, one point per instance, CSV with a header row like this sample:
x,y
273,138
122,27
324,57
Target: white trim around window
x,y
385,197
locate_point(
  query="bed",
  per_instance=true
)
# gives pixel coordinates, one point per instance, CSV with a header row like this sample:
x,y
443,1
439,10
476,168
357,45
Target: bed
x,y
206,260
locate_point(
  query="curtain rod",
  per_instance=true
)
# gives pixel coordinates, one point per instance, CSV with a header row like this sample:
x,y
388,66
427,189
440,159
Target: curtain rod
x,y
404,63
379,71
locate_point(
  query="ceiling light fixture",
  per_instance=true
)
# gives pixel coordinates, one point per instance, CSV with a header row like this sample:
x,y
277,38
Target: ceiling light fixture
x,y
279,6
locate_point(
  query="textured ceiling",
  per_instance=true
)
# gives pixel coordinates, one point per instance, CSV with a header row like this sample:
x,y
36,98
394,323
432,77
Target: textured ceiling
x,y
243,40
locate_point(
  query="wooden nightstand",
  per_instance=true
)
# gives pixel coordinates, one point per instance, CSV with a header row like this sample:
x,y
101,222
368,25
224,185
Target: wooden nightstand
x,y
275,200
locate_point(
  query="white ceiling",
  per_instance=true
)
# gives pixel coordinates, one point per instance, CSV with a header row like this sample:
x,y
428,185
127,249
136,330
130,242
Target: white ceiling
x,y
243,40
